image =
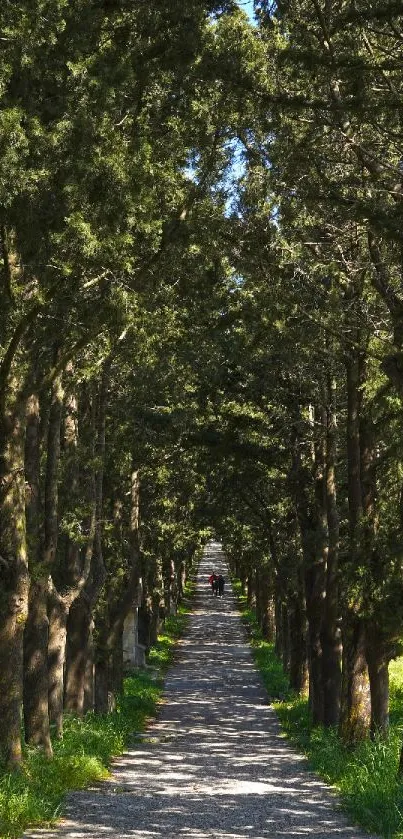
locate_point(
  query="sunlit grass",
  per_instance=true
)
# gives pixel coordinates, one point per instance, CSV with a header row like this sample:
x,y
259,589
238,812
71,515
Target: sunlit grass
x,y
366,777
34,796
161,655
274,678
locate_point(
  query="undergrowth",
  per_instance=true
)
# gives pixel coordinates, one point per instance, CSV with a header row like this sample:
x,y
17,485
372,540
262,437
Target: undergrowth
x,y
366,777
34,796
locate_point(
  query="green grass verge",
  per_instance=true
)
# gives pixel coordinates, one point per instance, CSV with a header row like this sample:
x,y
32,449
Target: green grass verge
x,y
366,776
34,796
274,678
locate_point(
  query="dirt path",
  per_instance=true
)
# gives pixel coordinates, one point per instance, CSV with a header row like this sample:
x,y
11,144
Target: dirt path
x,y
214,763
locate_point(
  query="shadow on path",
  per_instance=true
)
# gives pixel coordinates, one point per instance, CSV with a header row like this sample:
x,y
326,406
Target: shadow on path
x,y
214,763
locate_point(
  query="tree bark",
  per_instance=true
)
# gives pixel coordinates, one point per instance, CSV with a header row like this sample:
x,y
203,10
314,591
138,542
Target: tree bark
x,y
36,724
378,669
101,686
181,577
87,580
285,638
110,633
331,634
36,705
354,399
14,578
310,499
355,715
170,590
77,653
278,642
116,672
298,639
58,610
89,676
250,589
36,632
378,646
155,590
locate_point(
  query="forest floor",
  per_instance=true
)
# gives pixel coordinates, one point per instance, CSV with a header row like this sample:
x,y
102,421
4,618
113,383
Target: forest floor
x,y
214,763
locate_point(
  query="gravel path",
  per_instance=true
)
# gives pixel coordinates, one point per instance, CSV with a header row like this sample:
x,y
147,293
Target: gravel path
x,y
214,764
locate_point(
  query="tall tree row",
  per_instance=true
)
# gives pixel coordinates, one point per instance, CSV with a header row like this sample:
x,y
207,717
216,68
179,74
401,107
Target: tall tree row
x,y
200,326
115,125
320,306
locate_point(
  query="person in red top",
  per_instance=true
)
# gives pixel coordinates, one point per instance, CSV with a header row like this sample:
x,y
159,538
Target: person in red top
x,y
213,580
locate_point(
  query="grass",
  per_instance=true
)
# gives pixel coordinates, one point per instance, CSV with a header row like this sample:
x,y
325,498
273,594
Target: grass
x,y
274,678
365,776
34,796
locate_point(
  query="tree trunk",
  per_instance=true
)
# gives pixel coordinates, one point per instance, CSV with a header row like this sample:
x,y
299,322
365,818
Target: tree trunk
x,y
259,605
278,643
315,663
145,618
110,631
181,579
109,678
378,646
89,579
36,709
378,656
269,622
243,580
156,620
32,461
250,590
78,648
310,499
170,591
331,672
355,710
89,675
14,581
355,713
298,640
264,602
36,723
331,634
57,614
354,399
150,606
116,671
101,686
36,704
285,638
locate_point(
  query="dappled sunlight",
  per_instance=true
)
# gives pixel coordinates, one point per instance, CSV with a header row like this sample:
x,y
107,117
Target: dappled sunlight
x,y
214,763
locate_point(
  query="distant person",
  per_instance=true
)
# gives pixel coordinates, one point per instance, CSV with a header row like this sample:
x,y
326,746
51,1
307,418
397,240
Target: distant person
x,y
215,585
212,579
221,584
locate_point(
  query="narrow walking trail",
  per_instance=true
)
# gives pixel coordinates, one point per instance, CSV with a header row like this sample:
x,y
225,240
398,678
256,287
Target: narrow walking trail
x,y
214,764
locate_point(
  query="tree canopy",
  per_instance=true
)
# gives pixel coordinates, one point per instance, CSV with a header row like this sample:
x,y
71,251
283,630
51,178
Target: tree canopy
x,y
200,331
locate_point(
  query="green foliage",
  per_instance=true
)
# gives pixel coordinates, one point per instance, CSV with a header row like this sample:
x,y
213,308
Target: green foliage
x,y
33,797
366,777
174,627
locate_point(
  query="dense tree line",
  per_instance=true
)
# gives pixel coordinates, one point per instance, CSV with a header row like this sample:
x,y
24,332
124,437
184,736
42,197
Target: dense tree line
x,y
115,127
192,343
321,259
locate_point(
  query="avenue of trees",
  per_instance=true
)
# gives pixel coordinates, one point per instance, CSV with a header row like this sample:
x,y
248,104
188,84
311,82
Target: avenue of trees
x,y
201,330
